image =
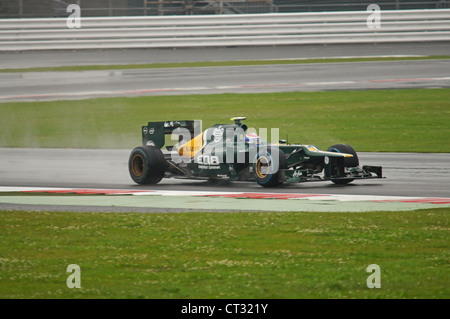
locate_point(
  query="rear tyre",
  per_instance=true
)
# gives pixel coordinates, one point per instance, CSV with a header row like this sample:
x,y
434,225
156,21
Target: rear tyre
x,y
348,161
146,165
266,171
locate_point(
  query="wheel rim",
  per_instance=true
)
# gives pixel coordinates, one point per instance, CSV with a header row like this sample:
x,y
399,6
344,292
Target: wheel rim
x,y
262,167
137,165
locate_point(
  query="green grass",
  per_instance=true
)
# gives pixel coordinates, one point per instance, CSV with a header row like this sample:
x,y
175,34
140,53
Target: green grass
x,y
225,255
214,63
415,120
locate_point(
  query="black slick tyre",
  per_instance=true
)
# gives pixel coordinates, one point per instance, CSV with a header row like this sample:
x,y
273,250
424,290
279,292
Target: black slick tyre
x,y
146,165
348,162
266,171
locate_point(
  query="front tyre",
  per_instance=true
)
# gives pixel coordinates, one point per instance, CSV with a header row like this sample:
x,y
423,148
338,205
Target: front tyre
x,y
146,165
268,166
348,161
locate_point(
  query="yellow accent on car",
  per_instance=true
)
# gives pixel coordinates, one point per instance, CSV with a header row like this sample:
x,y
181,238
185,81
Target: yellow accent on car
x,y
191,148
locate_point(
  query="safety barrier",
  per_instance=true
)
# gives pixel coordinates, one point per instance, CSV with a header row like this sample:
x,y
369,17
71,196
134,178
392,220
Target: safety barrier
x,y
224,30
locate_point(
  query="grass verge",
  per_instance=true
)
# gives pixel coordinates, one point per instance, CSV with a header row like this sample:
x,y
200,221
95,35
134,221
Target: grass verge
x,y
214,63
225,255
414,120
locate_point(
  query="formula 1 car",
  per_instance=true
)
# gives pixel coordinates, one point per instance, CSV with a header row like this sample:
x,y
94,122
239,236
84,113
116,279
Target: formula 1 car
x,y
231,152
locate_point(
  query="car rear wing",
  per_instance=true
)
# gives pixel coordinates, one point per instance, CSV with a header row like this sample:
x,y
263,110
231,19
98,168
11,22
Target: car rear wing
x,y
154,133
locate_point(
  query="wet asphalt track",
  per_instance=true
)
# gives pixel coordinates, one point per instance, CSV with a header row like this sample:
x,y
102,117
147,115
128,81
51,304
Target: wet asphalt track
x,y
408,174
28,59
32,86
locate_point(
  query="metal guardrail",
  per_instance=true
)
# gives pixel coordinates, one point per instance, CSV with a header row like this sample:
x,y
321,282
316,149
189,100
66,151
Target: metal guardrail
x,y
224,30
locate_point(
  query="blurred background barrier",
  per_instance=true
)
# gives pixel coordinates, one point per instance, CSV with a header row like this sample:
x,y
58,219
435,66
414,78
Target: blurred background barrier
x,y
263,29
98,8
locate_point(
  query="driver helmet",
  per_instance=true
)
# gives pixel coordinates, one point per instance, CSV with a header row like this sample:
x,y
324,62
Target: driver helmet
x,y
251,138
